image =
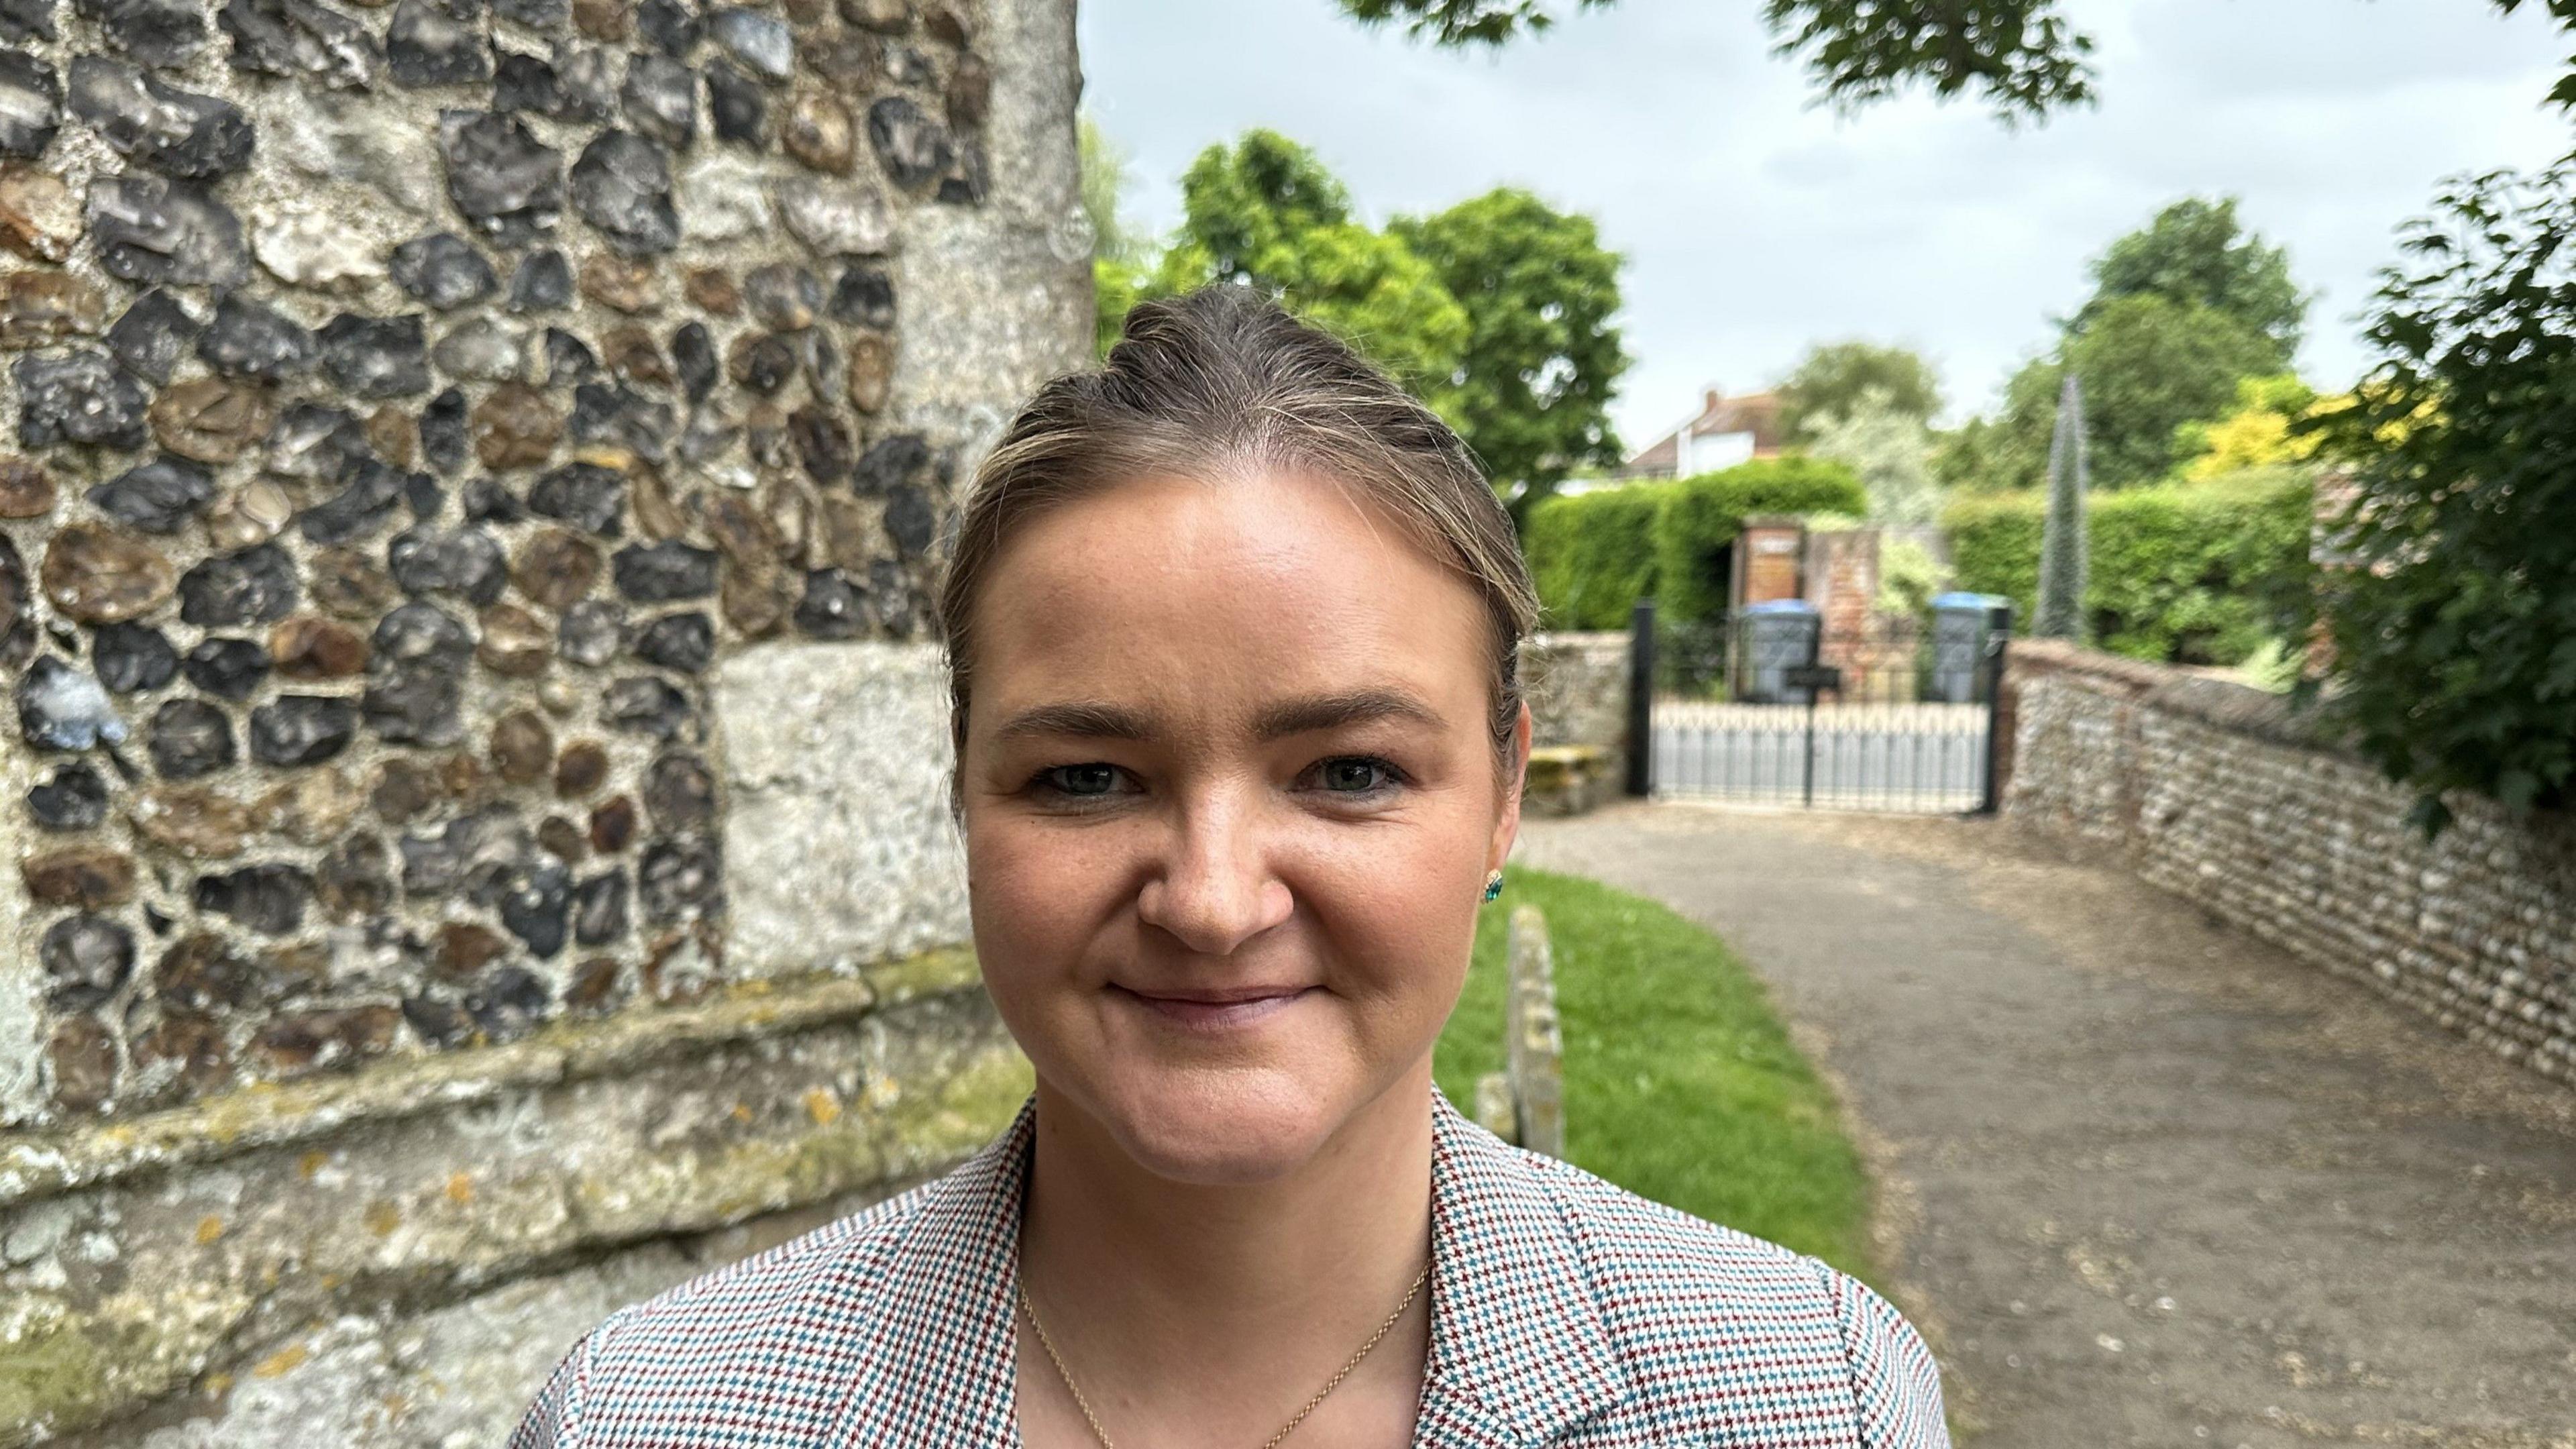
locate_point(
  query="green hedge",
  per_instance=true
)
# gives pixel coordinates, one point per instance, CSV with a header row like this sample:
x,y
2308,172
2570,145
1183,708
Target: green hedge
x,y
2192,573
1593,555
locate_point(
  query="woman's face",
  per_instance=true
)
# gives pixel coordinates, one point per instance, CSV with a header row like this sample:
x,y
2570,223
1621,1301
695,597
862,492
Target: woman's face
x,y
1229,805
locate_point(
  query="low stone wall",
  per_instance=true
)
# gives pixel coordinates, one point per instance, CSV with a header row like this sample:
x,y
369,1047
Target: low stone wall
x,y
1577,687
2220,793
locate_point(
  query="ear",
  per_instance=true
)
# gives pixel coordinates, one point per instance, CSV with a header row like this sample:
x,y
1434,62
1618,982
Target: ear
x,y
1507,823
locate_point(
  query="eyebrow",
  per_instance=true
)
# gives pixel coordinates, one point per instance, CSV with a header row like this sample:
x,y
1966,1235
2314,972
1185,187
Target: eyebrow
x,y
1094,720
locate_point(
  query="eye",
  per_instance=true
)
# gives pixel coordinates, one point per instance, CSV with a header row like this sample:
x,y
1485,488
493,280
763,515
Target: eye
x,y
1358,775
1078,781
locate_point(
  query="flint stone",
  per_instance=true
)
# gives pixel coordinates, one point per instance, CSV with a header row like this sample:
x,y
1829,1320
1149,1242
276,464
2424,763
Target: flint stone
x,y
73,798
175,132
255,586
914,148
592,632
315,443
621,417
864,297
437,43
61,707
736,108
832,606
693,354
526,83
132,658
760,41
39,219
347,583
659,573
823,443
480,349
151,229
509,1005
26,489
543,283
676,879
25,20
249,338
515,427
445,431
622,186
515,642
680,793
569,360
910,521
534,14
30,104
300,40
80,396
833,217
587,77
721,197
308,244
672,25
585,495
86,959
269,899
501,177
210,419
302,729
685,643
761,362
466,562
481,845
156,497
819,133
100,576
253,513
599,909
37,308
355,880
229,668
365,505
555,568
312,648
376,357
442,270
415,676
536,901
164,33
642,704
661,100
190,738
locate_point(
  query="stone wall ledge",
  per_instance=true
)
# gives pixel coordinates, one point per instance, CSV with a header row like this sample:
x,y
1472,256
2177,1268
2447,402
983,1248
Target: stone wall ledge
x,y
272,1114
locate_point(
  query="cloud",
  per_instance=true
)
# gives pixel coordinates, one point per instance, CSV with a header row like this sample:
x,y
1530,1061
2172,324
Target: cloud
x,y
1756,223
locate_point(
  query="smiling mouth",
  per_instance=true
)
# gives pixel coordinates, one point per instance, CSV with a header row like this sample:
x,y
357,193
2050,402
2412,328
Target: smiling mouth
x,y
1214,1010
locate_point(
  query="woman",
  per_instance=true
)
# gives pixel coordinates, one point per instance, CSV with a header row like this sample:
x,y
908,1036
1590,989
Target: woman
x,y
1232,627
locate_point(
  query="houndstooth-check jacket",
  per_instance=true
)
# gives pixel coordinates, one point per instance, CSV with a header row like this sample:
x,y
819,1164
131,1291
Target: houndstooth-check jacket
x,y
1565,1312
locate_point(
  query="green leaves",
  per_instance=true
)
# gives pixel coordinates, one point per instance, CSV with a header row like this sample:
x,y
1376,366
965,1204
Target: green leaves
x,y
2020,56
2456,634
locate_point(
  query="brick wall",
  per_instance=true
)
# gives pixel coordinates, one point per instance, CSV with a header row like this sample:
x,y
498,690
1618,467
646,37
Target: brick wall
x,y
2220,793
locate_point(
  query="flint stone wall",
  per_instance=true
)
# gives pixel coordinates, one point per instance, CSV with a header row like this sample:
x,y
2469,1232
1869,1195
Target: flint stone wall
x,y
476,808
2220,793
1577,687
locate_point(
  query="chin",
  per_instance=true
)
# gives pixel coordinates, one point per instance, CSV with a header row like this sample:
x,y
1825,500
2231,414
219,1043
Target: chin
x,y
1223,1127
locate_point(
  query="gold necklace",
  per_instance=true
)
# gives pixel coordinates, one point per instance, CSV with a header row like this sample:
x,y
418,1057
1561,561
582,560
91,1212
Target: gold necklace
x,y
1274,1441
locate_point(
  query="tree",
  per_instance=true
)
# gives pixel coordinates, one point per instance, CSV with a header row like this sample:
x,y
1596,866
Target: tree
x,y
1120,251
1888,446
1532,391
2065,545
2455,638
2020,55
2150,365
1265,213
2195,252
2257,435
1836,376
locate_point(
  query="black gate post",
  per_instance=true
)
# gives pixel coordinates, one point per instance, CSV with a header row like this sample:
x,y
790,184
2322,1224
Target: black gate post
x,y
1998,645
1641,698
1815,656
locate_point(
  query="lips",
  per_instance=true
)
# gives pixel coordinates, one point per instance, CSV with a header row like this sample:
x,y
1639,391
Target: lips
x,y
1211,1008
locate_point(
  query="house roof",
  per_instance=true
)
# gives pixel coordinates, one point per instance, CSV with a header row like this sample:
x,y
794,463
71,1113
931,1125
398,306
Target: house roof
x,y
1757,413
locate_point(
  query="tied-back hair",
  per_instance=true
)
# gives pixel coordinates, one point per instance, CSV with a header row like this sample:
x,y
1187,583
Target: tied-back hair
x,y
1221,383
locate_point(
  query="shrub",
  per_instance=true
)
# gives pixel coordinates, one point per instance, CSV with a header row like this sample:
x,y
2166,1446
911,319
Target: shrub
x,y
1592,555
2195,573
1695,532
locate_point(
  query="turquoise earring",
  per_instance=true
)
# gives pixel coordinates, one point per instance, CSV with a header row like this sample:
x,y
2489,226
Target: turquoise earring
x,y
1493,885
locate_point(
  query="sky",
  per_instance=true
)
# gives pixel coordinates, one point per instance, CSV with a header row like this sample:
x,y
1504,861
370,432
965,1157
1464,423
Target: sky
x,y
1755,223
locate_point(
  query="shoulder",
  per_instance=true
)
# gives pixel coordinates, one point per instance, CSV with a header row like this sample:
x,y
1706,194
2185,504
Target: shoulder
x,y
682,1358
1709,1319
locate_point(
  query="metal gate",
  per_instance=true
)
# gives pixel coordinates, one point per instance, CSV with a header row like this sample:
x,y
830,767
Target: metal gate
x,y
1771,706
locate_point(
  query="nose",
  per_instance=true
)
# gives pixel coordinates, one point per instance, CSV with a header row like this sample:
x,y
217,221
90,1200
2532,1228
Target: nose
x,y
1215,890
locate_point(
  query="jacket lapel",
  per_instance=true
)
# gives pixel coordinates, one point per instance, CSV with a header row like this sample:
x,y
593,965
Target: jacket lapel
x,y
938,1329
1519,1350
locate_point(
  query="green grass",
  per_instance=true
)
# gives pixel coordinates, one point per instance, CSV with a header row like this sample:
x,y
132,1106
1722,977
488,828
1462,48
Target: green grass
x,y
1680,1081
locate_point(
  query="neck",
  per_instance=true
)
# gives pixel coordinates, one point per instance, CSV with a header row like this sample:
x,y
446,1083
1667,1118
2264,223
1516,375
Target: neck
x,y
1178,1286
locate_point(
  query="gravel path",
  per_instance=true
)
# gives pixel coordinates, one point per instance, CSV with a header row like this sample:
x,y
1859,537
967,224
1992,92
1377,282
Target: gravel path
x,y
2144,1180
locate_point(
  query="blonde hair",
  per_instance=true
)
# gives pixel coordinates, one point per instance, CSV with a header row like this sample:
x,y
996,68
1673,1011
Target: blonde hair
x,y
1222,382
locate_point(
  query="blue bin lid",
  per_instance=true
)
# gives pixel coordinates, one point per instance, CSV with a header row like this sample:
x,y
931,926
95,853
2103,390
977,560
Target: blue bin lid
x,y
1781,606
1978,602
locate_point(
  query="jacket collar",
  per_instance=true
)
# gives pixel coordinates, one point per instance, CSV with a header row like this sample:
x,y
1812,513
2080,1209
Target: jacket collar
x,y
1519,1349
